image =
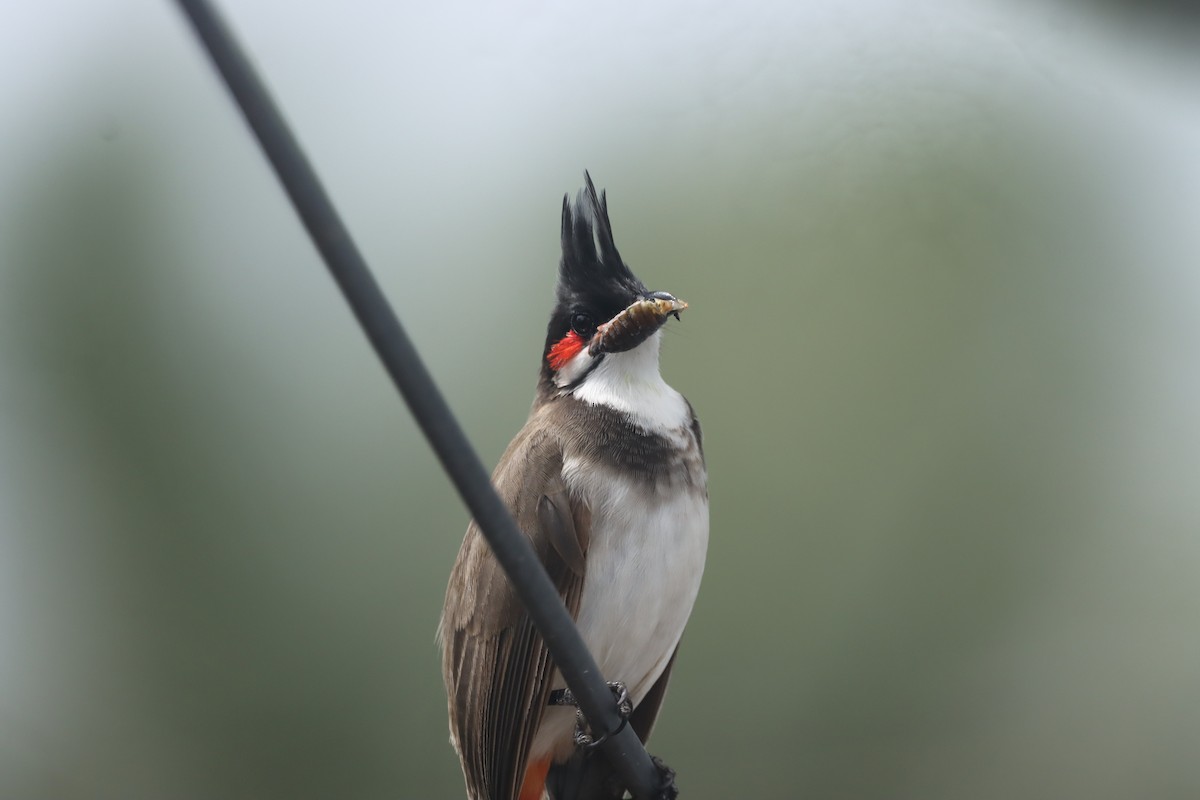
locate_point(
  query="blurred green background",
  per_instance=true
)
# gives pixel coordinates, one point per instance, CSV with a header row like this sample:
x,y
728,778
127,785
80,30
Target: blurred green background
x,y
942,261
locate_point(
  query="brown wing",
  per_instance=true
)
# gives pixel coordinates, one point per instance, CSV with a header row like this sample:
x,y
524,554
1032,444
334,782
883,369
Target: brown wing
x,y
496,668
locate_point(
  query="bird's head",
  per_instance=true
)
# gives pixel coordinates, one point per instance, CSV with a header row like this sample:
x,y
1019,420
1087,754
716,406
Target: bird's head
x,y
602,310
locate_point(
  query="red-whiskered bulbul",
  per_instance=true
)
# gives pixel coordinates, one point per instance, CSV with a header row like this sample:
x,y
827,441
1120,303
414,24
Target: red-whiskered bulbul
x,y
607,479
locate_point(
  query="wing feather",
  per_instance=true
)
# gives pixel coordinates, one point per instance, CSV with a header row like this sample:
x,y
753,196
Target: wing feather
x,y
496,667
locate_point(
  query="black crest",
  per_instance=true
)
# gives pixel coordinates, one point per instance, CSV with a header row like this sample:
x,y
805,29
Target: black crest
x,y
594,284
591,270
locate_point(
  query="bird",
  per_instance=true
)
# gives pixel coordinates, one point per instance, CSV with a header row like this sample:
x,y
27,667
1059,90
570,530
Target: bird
x,y
607,479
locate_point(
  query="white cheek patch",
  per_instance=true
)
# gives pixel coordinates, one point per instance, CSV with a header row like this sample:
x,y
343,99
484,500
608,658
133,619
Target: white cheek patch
x,y
574,369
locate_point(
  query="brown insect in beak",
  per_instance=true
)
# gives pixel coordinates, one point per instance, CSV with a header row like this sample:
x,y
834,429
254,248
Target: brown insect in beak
x,y
635,323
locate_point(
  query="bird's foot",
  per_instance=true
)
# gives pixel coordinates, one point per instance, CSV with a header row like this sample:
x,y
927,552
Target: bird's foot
x,y
583,732
667,790
621,695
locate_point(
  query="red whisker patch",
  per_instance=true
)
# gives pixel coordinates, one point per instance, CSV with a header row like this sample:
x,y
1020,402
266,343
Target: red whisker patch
x,y
567,348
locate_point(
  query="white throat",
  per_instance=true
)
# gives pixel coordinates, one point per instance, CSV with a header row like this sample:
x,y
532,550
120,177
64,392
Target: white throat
x,y
628,382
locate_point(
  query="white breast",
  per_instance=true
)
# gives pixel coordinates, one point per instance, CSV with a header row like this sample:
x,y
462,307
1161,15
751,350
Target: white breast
x,y
644,564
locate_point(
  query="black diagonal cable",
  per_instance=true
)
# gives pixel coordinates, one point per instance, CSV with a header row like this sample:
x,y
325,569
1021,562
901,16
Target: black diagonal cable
x,y
400,358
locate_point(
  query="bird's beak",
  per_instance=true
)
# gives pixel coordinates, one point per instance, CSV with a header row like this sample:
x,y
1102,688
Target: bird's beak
x,y
635,324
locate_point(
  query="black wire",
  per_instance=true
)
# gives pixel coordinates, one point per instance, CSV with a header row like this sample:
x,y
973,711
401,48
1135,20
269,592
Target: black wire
x,y
623,749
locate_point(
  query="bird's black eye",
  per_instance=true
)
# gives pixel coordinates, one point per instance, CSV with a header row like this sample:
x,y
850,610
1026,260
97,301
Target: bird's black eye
x,y
583,324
